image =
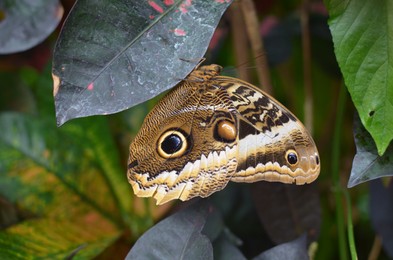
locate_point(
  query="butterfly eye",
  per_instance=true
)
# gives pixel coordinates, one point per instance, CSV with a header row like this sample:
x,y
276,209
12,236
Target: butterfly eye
x,y
172,144
225,131
291,157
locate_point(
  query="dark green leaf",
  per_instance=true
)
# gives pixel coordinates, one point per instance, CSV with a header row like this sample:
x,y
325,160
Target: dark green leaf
x,y
27,23
363,44
224,249
111,56
179,236
367,164
296,250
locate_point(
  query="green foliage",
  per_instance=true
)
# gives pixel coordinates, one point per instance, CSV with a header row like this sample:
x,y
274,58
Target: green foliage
x,y
367,164
363,43
68,182
198,232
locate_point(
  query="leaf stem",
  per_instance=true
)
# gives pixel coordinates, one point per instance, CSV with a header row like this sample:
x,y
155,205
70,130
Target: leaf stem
x,y
343,252
240,42
306,45
351,238
376,248
251,20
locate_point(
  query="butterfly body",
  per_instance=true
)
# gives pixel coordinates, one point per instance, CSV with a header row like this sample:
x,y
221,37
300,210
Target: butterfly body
x,y
212,129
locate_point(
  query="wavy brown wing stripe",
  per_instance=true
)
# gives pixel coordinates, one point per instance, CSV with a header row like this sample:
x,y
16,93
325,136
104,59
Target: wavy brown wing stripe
x,y
204,166
267,131
211,129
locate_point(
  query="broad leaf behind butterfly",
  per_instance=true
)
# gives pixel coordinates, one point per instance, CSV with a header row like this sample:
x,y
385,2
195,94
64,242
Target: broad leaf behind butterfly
x,y
113,55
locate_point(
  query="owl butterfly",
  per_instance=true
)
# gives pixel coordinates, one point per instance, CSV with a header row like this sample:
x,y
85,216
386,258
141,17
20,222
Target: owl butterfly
x,y
212,129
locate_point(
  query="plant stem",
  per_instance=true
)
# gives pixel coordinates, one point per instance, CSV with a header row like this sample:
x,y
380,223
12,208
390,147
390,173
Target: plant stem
x,y
240,42
351,238
252,26
343,252
306,45
376,248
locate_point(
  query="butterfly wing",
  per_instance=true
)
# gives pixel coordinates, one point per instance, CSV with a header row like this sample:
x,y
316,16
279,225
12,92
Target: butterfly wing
x,y
186,146
273,144
211,129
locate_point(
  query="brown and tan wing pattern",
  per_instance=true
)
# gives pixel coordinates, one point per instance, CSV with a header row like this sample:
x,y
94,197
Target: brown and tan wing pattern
x,y
187,144
211,129
273,144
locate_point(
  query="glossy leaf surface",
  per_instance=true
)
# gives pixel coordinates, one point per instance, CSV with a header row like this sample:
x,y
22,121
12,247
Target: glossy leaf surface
x,y
179,236
296,249
111,56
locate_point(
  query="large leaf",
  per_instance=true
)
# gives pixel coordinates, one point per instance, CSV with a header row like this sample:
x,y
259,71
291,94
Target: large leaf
x,y
27,23
179,236
363,41
113,55
57,238
296,249
368,164
195,232
71,201
287,211
224,249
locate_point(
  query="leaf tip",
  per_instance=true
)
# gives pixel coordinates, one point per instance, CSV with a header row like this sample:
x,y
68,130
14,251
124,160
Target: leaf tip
x,y
60,117
382,147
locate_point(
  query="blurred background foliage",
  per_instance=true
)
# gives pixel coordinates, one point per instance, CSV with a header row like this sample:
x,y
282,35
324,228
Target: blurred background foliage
x,y
64,192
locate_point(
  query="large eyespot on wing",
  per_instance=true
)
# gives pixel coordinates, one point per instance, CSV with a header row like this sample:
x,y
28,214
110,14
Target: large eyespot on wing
x,y
173,143
225,131
149,163
291,157
156,173
183,153
212,160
